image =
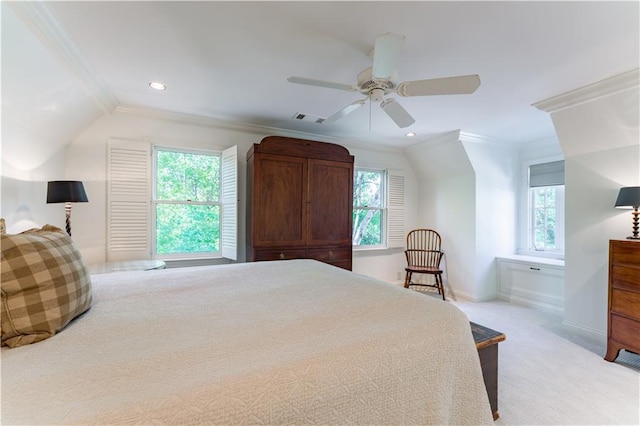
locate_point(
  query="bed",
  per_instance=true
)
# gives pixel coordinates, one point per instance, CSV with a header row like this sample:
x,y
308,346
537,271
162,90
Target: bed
x,y
295,342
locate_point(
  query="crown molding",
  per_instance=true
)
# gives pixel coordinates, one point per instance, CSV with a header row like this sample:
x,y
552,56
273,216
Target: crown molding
x,y
612,85
40,19
441,139
487,140
218,123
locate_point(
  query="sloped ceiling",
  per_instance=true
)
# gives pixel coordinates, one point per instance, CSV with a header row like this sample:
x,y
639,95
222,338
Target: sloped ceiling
x,y
66,63
44,106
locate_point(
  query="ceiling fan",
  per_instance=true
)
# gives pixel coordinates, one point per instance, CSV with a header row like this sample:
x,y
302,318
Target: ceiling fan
x,y
380,80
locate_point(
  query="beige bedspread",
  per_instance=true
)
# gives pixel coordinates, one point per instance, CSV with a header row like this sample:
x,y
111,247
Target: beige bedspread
x,y
295,342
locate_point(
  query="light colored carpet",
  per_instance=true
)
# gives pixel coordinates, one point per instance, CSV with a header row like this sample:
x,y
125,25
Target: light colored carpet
x,y
548,375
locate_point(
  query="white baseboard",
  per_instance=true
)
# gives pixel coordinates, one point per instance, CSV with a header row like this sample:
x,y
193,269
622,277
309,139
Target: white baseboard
x,y
586,331
532,303
467,297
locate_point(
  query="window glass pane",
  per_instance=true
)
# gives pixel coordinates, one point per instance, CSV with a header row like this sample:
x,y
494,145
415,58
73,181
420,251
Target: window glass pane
x,y
551,198
550,242
367,189
544,212
539,239
367,229
187,228
185,176
538,198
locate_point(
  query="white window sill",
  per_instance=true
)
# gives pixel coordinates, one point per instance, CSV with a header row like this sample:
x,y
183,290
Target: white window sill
x,y
544,254
202,261
533,259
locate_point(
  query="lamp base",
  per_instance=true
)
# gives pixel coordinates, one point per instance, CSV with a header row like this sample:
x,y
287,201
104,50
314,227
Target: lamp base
x,y
67,213
636,224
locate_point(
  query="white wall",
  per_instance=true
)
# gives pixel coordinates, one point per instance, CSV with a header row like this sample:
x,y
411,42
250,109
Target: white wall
x,y
86,159
446,189
598,128
454,200
496,171
24,193
467,187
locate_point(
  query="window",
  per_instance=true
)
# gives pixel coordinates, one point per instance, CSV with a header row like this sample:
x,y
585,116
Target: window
x,y
546,207
378,209
368,208
186,203
170,203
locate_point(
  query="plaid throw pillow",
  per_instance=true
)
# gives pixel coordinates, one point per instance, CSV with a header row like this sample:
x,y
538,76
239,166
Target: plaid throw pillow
x,y
45,285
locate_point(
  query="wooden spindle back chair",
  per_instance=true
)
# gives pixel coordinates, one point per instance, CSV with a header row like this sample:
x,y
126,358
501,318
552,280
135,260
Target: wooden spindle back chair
x,y
424,254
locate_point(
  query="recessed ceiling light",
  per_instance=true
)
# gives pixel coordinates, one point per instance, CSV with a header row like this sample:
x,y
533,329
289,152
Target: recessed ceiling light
x,y
157,85
410,134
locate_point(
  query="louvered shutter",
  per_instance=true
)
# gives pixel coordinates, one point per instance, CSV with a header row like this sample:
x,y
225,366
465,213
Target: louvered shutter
x,y
229,190
128,200
396,236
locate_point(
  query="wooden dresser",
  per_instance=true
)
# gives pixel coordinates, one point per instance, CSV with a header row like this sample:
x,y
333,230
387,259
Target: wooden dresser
x,y
623,330
299,201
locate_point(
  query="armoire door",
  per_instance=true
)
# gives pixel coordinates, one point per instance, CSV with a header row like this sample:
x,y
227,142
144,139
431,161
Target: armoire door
x,y
279,196
330,203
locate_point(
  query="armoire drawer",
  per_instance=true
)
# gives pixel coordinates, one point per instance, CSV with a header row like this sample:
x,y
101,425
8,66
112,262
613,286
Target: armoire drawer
x,y
330,255
280,254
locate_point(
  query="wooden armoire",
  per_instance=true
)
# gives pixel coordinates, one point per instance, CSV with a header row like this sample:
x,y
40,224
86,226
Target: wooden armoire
x,y
299,201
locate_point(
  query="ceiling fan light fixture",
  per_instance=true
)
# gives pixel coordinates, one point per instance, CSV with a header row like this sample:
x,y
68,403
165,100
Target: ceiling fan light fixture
x,y
156,85
376,95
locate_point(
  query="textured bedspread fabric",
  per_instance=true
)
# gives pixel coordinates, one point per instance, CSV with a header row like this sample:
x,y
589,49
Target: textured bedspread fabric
x,y
287,342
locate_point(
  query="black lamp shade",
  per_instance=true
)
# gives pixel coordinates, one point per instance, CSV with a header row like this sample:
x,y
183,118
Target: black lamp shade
x,y
628,197
66,191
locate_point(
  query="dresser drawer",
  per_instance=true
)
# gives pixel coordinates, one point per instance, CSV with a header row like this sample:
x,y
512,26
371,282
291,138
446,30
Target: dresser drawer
x,y
625,277
625,252
625,331
280,254
626,303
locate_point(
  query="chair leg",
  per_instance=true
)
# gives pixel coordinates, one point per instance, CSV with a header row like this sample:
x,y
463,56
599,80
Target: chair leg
x,y
440,285
407,279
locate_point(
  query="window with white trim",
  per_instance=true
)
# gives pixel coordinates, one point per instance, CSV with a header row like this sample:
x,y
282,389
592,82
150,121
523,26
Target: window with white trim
x,y
378,209
170,203
546,207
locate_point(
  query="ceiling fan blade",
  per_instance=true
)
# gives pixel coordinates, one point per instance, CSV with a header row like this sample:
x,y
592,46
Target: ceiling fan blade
x,y
460,85
386,53
346,110
398,114
321,83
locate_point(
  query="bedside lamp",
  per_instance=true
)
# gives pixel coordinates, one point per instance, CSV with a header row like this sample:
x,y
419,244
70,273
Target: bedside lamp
x,y
629,198
67,192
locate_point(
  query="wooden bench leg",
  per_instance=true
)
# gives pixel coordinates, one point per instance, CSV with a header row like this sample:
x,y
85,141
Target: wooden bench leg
x,y
489,363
